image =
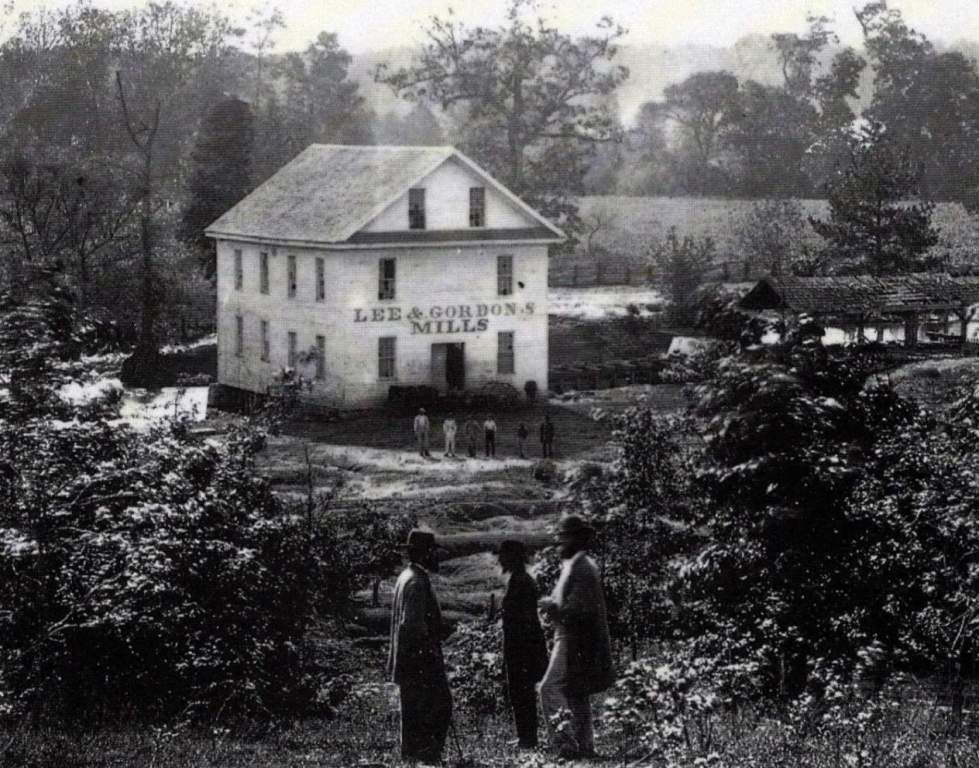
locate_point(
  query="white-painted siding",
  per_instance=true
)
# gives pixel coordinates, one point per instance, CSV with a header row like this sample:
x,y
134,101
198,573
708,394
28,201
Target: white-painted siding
x,y
429,280
447,204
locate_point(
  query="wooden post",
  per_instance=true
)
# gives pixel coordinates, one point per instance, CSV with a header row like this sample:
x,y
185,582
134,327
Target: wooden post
x,y
911,330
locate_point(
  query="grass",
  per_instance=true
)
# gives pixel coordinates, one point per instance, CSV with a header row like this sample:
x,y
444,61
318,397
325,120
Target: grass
x,y
638,222
912,734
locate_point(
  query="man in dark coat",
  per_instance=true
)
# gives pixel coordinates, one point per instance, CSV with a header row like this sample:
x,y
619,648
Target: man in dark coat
x,y
524,647
547,437
415,659
581,660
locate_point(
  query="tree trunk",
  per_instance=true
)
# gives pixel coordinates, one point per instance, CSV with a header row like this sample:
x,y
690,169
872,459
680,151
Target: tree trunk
x,y
147,331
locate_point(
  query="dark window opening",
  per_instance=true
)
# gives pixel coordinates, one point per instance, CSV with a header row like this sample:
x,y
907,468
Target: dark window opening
x,y
477,207
416,209
386,279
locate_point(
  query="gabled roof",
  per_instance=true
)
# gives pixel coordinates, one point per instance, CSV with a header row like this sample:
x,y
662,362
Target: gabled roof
x,y
864,295
330,192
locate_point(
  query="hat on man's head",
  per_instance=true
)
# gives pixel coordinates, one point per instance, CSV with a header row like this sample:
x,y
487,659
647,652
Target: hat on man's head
x,y
419,539
573,526
421,410
512,548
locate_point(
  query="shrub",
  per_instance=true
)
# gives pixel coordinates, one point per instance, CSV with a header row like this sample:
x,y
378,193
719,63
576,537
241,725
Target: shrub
x,y
545,472
408,399
474,659
497,394
151,575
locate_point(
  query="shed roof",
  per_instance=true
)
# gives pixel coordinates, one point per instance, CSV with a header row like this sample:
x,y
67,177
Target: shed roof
x,y
863,295
329,192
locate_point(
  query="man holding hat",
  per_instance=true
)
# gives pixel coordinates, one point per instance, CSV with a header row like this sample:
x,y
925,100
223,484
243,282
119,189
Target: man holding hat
x,y
581,660
415,659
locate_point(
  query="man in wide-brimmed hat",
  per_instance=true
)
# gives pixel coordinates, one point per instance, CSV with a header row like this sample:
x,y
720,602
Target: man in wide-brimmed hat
x,y
581,660
415,659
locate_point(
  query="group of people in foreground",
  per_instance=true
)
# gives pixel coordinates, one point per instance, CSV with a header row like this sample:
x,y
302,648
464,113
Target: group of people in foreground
x,y
578,666
472,431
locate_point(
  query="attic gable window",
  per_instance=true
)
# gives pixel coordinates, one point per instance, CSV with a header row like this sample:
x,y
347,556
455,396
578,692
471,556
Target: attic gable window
x,y
416,209
477,206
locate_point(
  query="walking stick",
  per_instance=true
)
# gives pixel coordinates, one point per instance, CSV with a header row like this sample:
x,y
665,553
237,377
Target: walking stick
x,y
455,738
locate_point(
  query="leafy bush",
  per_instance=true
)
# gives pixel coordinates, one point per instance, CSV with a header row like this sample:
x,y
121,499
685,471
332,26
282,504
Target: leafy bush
x,y
408,399
795,515
644,509
694,367
497,394
474,658
150,575
545,472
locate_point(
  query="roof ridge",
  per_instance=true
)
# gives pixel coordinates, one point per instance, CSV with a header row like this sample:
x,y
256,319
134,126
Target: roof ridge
x,y
388,147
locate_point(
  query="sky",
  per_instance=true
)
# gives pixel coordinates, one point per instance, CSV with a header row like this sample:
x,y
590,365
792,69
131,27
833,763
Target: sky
x,y
365,25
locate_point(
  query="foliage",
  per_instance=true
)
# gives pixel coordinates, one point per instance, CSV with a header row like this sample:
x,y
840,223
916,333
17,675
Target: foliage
x,y
321,104
770,237
667,711
39,337
222,171
474,659
64,213
150,575
929,101
643,509
704,105
154,576
357,547
719,315
533,97
871,228
681,264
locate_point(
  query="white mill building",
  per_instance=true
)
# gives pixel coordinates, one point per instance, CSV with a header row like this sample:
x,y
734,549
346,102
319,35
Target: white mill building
x,y
364,267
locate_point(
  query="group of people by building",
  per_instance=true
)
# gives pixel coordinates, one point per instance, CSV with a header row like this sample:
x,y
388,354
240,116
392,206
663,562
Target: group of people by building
x,y
579,663
474,432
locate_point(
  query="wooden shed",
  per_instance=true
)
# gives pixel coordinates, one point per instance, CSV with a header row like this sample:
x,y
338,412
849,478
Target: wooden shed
x,y
862,300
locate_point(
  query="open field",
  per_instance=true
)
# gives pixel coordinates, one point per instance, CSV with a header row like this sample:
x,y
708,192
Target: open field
x,y
635,223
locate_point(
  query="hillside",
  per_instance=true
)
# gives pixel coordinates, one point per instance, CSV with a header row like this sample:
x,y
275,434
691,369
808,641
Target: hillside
x,y
635,222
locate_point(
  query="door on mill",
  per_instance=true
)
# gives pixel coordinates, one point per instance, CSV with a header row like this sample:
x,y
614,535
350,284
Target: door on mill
x,y
448,366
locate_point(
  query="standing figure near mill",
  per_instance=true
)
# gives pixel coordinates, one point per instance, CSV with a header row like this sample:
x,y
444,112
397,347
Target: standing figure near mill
x,y
421,427
524,647
547,438
449,429
472,436
415,659
581,660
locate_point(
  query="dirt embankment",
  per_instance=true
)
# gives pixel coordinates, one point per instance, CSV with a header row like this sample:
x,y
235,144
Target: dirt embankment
x,y
935,383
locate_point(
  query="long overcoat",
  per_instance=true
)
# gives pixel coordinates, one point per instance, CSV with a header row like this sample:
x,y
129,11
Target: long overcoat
x,y
580,602
415,651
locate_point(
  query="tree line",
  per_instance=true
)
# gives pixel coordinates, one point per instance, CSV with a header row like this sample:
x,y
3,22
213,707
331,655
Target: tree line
x,y
712,134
